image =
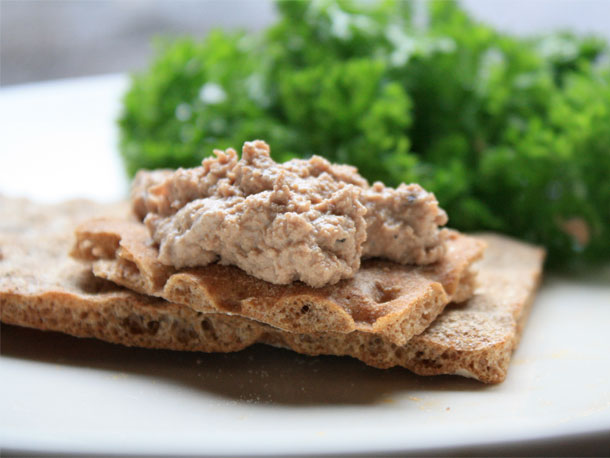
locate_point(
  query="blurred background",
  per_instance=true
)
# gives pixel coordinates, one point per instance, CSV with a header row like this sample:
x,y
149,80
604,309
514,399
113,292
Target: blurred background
x,y
51,39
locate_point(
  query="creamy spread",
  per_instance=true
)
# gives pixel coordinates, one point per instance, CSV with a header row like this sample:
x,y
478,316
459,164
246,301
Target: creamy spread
x,y
306,220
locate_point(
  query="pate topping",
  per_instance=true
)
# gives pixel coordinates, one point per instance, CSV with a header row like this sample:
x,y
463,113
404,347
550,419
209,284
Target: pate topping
x,y
306,220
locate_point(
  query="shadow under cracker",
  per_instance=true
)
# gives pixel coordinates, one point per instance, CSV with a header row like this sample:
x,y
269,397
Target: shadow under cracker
x,y
260,374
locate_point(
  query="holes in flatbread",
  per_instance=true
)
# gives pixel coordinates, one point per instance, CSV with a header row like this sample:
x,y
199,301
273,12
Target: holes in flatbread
x,y
430,363
208,329
449,356
137,325
133,324
297,315
153,327
385,293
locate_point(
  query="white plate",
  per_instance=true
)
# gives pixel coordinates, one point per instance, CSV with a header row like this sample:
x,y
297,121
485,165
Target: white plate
x,y
64,395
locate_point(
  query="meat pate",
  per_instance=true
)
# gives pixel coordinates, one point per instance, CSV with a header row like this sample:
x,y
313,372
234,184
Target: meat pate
x,y
306,220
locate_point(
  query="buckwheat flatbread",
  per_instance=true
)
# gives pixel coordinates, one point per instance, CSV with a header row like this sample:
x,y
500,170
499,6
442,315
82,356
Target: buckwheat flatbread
x,y
43,288
384,298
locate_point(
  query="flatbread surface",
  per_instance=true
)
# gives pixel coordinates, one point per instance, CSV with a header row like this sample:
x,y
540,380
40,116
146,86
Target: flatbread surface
x,y
43,288
384,298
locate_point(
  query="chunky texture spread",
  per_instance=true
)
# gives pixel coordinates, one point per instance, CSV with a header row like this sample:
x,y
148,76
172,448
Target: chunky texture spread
x,y
306,220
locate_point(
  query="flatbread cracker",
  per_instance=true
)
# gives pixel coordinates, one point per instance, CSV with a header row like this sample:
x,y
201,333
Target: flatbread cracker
x,y
384,298
41,287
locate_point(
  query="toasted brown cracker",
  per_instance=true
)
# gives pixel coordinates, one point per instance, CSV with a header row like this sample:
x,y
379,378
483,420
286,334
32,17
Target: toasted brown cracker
x,y
384,298
474,339
41,287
